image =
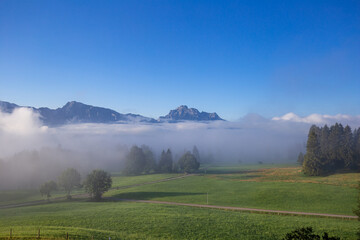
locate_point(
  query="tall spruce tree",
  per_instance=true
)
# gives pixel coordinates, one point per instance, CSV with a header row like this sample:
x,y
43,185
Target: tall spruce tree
x,y
336,142
324,142
332,149
150,163
166,163
312,162
135,161
347,150
357,147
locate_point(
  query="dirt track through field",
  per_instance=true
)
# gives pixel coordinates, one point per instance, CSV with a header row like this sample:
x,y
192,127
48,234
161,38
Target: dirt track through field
x,y
240,209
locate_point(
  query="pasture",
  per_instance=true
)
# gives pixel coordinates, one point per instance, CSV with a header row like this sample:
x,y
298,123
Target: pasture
x,y
275,187
120,220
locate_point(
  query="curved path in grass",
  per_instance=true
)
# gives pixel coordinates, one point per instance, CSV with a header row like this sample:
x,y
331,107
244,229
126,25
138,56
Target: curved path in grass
x,y
240,209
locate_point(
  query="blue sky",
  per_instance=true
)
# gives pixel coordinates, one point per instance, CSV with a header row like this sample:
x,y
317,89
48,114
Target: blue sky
x,y
147,57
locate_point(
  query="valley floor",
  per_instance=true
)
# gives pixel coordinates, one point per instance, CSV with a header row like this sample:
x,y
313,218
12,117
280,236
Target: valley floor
x,y
279,188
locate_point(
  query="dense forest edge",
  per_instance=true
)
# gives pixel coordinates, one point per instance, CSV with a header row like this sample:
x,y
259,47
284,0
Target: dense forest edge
x,y
331,149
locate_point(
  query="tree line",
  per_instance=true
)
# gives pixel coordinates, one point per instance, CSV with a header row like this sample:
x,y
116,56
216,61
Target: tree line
x,y
96,183
138,161
330,149
141,160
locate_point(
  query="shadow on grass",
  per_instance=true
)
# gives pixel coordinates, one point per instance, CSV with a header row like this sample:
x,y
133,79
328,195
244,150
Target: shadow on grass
x,y
151,195
237,177
230,171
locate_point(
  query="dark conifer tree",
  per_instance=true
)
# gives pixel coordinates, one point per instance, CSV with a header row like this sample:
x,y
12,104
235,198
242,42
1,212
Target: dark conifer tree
x,y
324,141
336,141
347,150
331,149
357,147
135,161
166,163
150,163
312,163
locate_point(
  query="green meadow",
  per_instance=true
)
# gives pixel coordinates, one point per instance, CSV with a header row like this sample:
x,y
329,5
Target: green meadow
x,y
256,188
120,220
275,187
21,196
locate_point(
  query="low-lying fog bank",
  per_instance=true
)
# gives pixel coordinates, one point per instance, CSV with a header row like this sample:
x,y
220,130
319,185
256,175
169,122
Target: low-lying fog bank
x,y
31,153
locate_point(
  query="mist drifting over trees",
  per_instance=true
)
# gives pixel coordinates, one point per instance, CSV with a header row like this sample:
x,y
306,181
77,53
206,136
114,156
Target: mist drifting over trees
x,y
31,153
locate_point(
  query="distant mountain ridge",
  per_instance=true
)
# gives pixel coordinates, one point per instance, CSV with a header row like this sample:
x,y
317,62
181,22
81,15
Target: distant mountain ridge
x,y
190,114
76,112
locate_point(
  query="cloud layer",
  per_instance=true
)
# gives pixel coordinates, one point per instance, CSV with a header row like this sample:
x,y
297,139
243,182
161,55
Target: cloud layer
x,y
321,119
28,148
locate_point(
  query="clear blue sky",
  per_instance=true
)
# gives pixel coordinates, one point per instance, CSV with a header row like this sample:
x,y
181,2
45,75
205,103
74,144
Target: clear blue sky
x,y
147,57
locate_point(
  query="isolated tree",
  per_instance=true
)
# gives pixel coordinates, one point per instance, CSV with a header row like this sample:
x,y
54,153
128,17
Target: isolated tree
x,y
47,188
135,161
306,233
97,182
188,163
300,158
196,153
69,179
166,162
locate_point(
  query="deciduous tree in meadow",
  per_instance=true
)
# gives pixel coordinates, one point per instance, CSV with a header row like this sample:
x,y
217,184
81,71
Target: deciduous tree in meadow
x,y
47,188
97,182
69,179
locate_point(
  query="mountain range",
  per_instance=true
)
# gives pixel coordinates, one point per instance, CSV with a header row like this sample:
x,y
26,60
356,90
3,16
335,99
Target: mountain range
x,y
76,112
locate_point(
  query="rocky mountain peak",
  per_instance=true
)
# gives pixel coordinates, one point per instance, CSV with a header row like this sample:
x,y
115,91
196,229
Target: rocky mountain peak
x,y
183,112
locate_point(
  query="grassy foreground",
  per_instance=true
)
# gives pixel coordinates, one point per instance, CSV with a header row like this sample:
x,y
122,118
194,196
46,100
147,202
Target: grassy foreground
x,y
120,220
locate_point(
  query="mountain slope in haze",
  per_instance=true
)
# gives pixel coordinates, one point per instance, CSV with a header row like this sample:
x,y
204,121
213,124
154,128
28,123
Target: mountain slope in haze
x,y
190,114
76,112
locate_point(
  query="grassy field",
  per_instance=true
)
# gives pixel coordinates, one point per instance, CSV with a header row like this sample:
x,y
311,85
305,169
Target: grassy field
x,y
120,180
277,187
20,196
120,220
274,188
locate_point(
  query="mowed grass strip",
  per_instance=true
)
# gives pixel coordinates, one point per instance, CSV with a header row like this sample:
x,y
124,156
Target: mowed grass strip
x,y
120,220
274,195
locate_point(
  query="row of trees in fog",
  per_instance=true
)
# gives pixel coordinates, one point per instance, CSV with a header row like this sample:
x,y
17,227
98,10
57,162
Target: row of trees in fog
x,y
142,160
330,149
96,183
